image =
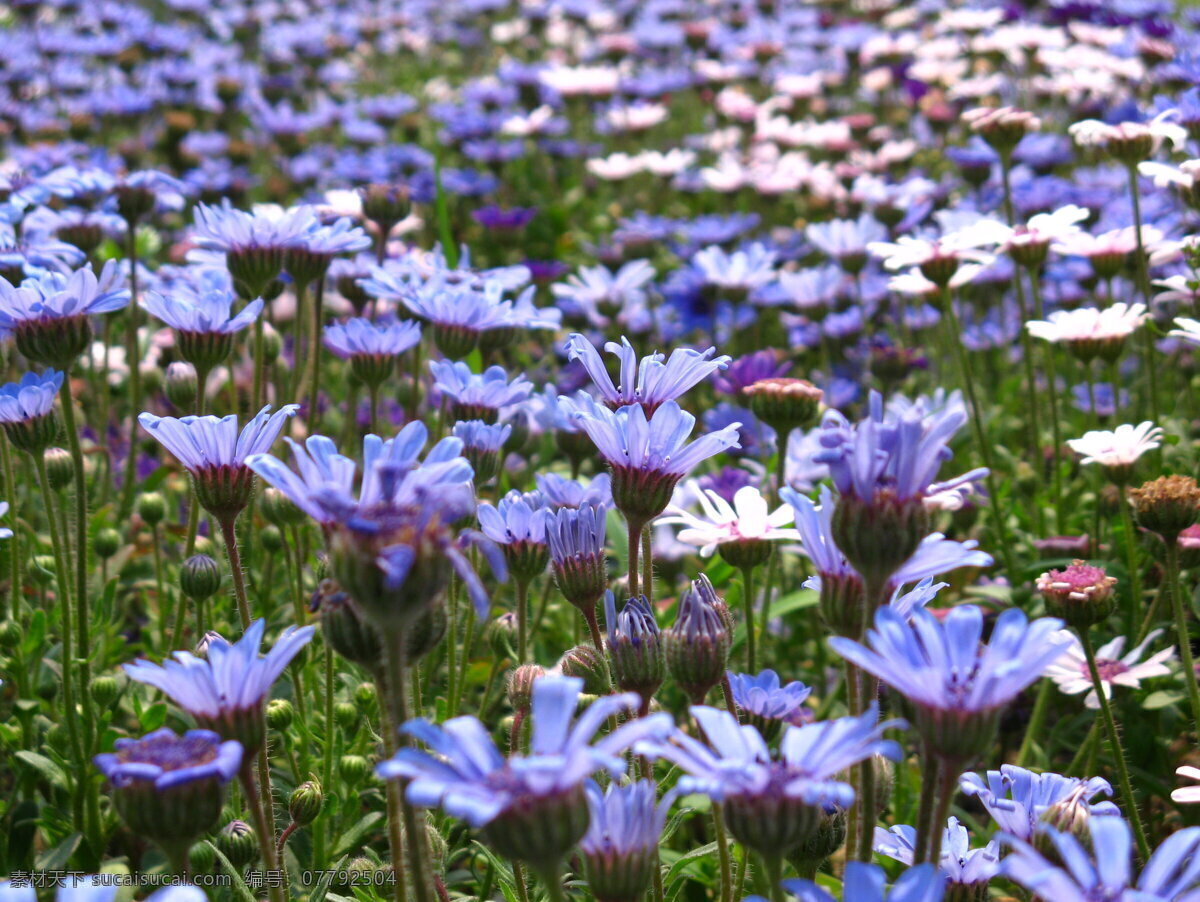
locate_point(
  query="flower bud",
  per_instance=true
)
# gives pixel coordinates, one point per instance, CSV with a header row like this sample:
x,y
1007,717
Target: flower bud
x,y
11,633
152,507
354,769
238,843
280,714
520,685
42,569
306,802
201,858
347,716
60,469
366,697
426,632
181,385
271,538
697,645
784,404
278,509
200,577
501,636
635,647
106,543
346,630
587,663
822,843
272,344
104,689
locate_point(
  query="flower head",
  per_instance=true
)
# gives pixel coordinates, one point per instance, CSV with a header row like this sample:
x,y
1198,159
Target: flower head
x,y
226,691
650,383
621,844
1119,449
477,397
1017,799
766,703
773,802
216,454
1070,672
962,865
372,346
748,520
868,883
1090,332
518,525
531,807
956,683
1105,873
203,319
27,410
635,647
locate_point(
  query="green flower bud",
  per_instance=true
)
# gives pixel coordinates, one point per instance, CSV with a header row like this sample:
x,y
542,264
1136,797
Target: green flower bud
x,y
201,858
60,469
589,664
105,689
279,509
181,386
366,697
41,569
11,633
152,507
520,685
347,717
306,802
200,577
271,538
501,635
280,714
106,543
353,769
238,842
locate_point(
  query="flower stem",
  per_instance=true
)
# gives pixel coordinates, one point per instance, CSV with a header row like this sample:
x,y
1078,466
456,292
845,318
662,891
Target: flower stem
x,y
1182,634
1118,752
925,812
968,381
229,535
1036,720
393,788
1052,386
262,826
647,564
773,865
133,357
414,823
723,853
748,604
1131,562
522,621
635,535
314,351
13,607
949,771
1143,276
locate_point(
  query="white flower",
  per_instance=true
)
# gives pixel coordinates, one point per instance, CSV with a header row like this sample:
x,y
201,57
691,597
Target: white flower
x,y
616,167
1070,671
1165,175
1120,447
1181,288
1187,795
1045,228
1089,323
636,117
1188,331
1094,133
582,81
747,519
1114,243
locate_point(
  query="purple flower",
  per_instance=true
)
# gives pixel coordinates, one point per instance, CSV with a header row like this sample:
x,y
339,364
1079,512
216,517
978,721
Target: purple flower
x,y
748,369
55,296
201,311
763,697
1017,798
477,396
868,883
360,337
30,399
651,384
504,220
167,760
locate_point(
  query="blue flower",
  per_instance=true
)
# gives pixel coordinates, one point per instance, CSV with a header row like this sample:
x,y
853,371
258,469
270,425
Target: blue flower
x,y
738,765
577,537
167,760
31,398
341,236
621,844
227,229
763,697
1017,798
597,293
650,384
846,240
517,518
372,338
478,436
867,883
201,310
900,451
648,456
227,689
559,491
961,864
397,525
55,296
477,396
464,774
1173,868
957,684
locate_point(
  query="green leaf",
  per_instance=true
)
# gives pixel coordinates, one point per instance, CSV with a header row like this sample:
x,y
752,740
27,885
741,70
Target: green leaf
x,y
50,771
322,890
153,717
352,838
235,876
56,859
442,209
1161,699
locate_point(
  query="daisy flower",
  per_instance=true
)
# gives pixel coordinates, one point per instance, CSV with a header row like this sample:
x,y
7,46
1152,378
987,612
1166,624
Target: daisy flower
x,y
1070,671
1187,795
1120,447
1090,332
1188,331
747,519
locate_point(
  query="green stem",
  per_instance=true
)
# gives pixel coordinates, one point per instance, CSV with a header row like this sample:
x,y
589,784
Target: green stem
x,y
266,833
414,822
968,381
522,621
774,868
1118,752
229,535
133,358
1052,388
925,811
1131,561
722,853
1036,721
1182,634
748,606
647,565
14,548
394,792
260,366
314,357
635,535
1144,284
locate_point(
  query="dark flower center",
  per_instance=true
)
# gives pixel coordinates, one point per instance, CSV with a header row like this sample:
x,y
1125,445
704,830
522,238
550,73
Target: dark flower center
x,y
169,752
